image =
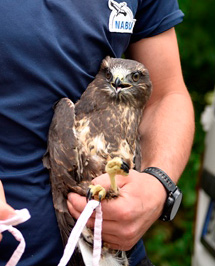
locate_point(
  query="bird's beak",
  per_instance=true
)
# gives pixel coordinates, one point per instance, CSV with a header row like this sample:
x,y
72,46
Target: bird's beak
x,y
117,83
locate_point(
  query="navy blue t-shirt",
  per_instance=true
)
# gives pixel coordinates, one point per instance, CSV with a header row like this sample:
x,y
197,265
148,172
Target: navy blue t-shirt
x,y
51,49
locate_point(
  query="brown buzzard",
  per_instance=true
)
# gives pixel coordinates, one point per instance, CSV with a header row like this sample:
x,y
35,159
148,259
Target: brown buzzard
x,y
101,127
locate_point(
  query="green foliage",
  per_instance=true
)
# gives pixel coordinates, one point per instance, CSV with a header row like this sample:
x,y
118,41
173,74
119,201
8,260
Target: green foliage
x,y
171,244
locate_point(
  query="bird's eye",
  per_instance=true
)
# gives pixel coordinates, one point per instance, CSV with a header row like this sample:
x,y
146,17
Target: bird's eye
x,y
108,75
136,76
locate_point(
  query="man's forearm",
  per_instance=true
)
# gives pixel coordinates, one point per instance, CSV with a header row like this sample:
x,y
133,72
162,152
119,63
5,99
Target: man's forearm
x,y
167,130
167,127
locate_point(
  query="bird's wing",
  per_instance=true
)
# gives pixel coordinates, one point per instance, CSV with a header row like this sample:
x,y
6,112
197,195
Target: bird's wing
x,y
63,160
138,157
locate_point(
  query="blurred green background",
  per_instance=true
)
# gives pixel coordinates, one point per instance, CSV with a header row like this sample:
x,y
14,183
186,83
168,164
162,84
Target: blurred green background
x,y
171,244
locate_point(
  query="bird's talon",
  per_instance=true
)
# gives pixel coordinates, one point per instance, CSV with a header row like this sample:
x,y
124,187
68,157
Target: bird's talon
x,y
100,198
89,194
117,166
125,167
96,192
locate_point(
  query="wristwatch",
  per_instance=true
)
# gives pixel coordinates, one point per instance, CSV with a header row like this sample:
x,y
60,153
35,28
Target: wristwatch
x,y
174,194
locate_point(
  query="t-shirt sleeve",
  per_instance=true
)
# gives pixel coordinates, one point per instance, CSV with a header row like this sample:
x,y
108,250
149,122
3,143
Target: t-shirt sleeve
x,y
154,17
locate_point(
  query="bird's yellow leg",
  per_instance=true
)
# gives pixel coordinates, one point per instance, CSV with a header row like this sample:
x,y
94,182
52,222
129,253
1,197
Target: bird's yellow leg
x,y
113,182
116,166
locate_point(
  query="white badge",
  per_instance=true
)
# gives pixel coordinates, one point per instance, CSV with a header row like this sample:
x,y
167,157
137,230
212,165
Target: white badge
x,y
121,17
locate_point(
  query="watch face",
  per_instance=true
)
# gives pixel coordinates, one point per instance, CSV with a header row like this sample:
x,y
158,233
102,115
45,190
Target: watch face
x,y
178,197
171,205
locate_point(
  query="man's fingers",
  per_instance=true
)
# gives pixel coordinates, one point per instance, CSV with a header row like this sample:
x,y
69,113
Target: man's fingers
x,y
78,201
6,211
76,204
72,211
2,195
113,242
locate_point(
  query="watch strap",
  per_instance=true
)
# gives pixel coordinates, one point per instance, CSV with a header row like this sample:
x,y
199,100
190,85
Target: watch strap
x,y
162,177
174,194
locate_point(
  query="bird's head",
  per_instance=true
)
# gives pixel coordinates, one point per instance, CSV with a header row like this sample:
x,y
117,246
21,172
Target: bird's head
x,y
125,81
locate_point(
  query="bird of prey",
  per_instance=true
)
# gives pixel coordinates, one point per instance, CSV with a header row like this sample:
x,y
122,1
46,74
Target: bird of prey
x,y
98,133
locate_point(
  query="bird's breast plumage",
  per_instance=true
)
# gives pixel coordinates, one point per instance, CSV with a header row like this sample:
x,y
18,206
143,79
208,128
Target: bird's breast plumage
x,y
108,133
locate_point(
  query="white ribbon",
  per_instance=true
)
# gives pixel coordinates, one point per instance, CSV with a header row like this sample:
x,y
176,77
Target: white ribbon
x,y
78,228
20,217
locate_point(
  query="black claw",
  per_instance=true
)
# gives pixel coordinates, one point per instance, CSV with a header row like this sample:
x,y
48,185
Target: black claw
x,y
100,198
125,167
89,194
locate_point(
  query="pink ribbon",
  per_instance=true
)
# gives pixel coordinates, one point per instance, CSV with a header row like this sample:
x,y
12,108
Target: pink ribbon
x,y
20,217
97,236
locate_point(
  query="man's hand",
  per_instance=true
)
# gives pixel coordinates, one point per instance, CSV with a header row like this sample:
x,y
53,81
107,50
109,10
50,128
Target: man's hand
x,y
129,216
6,211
